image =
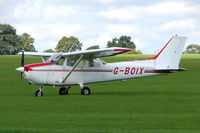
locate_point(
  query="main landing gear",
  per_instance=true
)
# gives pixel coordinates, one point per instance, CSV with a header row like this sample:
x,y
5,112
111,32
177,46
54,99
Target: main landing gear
x,y
85,91
64,91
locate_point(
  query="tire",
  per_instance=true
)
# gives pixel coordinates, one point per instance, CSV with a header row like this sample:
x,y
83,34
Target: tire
x,y
38,93
85,91
63,91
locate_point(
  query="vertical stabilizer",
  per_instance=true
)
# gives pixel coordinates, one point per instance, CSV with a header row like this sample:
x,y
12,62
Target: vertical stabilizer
x,y
169,57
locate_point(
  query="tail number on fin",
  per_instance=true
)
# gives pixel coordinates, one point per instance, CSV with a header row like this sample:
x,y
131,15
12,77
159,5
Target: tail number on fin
x,y
128,70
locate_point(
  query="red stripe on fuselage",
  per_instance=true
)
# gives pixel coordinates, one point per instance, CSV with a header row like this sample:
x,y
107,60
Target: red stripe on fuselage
x,y
74,70
28,67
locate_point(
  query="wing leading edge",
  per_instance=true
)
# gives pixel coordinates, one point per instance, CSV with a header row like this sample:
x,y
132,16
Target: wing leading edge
x,y
37,54
96,53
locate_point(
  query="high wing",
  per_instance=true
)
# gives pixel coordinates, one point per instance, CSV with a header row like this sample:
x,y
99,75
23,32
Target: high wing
x,y
96,53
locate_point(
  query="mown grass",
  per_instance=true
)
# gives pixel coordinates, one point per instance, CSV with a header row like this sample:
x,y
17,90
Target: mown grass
x,y
159,104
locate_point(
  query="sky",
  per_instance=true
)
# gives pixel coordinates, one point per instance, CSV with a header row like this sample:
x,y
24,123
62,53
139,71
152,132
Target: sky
x,y
150,23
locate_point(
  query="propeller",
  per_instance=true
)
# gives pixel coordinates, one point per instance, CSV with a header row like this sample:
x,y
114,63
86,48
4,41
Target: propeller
x,y
22,62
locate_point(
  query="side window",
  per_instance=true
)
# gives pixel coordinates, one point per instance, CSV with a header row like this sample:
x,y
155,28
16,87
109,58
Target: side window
x,y
60,62
83,63
91,63
70,62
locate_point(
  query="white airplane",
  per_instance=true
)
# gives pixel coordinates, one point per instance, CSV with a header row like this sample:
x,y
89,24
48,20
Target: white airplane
x,y
83,67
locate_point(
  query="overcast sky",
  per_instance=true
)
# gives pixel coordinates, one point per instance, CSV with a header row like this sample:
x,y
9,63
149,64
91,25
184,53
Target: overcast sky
x,y
150,23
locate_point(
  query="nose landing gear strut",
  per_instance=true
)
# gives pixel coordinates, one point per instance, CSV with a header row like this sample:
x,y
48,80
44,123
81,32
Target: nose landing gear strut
x,y
39,93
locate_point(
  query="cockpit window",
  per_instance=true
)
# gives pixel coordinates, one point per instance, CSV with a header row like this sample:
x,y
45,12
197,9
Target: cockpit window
x,y
54,58
60,61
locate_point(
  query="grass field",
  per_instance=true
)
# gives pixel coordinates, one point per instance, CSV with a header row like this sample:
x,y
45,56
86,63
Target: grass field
x,y
160,104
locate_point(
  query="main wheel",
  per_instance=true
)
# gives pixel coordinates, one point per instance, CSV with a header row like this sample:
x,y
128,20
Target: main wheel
x,y
85,91
63,91
38,93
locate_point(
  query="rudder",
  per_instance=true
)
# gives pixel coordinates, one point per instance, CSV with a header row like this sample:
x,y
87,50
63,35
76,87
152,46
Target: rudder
x,y
169,57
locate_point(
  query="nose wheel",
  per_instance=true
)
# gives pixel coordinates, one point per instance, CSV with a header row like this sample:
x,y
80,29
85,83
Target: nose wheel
x,y
39,93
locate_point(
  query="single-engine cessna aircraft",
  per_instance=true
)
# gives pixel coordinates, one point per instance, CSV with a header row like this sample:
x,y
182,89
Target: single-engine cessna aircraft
x,y
83,67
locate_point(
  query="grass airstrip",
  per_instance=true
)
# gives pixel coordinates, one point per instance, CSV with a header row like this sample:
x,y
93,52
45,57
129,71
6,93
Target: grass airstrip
x,y
160,104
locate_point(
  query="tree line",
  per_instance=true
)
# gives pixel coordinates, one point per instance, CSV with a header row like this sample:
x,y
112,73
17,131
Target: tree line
x,y
12,43
192,49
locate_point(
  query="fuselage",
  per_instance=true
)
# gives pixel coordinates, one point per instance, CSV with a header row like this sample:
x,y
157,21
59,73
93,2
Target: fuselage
x,y
52,74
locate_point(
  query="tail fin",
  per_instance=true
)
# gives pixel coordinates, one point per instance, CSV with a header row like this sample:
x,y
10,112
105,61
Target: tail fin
x,y
169,57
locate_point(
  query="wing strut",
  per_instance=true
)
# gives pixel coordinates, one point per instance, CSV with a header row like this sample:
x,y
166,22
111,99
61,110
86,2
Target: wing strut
x,y
43,59
77,62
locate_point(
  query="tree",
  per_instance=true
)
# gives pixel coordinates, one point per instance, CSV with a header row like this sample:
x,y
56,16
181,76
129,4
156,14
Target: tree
x,y
9,40
27,42
7,29
49,51
68,44
93,47
192,49
11,43
123,41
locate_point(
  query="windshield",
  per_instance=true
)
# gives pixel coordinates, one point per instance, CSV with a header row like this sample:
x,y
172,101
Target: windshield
x,y
54,58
